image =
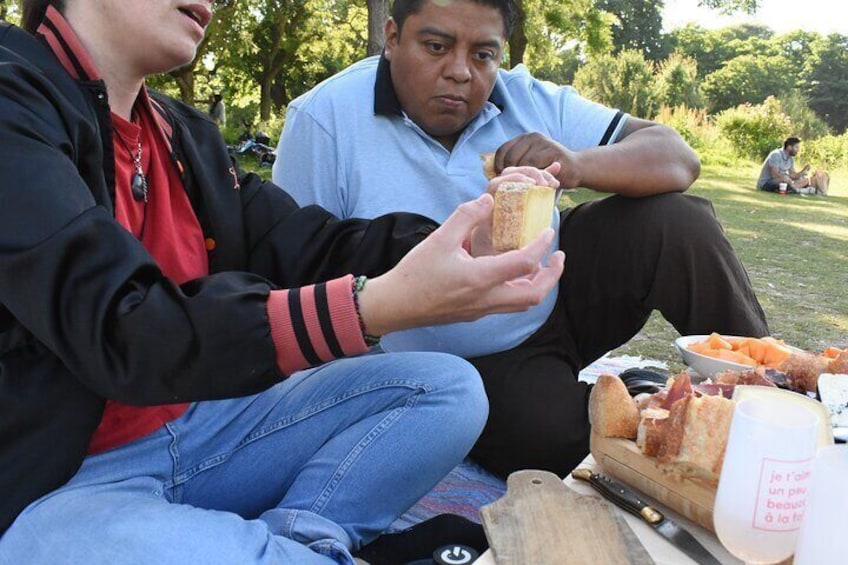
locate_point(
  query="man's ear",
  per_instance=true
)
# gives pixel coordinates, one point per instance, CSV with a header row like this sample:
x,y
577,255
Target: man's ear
x,y
392,34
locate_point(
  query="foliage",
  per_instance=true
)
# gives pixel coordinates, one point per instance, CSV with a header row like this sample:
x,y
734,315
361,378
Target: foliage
x,y
730,6
795,48
755,130
711,49
805,123
746,79
677,82
829,152
10,11
624,81
699,131
826,80
639,26
558,34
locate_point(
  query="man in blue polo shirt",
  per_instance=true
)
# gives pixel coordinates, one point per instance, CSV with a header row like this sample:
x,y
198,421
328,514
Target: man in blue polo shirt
x,y
405,131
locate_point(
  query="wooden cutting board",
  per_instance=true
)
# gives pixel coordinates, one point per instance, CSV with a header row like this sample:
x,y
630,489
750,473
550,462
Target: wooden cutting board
x,y
622,460
541,521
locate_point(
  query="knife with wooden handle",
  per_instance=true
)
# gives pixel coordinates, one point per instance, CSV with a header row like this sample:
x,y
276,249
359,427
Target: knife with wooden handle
x,y
626,499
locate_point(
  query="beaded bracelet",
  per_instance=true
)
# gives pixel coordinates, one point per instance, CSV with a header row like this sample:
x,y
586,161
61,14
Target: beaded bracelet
x,y
356,287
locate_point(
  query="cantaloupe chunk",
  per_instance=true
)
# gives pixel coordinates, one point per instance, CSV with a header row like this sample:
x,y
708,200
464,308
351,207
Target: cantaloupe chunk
x,y
715,341
832,352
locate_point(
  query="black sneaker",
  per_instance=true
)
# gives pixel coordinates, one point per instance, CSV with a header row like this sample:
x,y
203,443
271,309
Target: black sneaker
x,y
643,380
459,539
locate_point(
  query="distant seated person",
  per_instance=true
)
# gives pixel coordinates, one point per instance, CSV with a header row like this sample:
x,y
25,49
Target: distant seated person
x,y
218,111
779,168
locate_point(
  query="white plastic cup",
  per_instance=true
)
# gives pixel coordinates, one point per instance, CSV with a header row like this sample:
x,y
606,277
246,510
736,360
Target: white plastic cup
x,y
763,488
782,187
822,539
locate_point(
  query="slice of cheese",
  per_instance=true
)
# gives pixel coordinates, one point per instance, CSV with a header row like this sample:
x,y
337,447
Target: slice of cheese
x,y
522,211
741,392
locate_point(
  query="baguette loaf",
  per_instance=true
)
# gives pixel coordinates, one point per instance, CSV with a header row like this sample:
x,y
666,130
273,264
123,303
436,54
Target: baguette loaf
x,y
696,437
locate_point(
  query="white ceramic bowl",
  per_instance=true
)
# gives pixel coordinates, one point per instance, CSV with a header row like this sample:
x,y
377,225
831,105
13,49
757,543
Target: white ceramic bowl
x,y
703,365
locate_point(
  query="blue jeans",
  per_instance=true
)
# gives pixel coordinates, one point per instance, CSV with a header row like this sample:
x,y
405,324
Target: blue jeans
x,y
303,473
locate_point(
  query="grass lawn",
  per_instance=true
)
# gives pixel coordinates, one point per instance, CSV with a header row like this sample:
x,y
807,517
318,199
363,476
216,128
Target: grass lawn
x,y
794,248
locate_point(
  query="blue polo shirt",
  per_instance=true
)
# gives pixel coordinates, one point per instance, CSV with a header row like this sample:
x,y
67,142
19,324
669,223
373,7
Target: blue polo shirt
x,y
348,146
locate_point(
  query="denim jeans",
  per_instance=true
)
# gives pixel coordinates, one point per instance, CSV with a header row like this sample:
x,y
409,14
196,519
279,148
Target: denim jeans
x,y
303,473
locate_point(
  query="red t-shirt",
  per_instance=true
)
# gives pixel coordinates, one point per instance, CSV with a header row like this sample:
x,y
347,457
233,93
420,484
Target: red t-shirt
x,y
311,325
169,230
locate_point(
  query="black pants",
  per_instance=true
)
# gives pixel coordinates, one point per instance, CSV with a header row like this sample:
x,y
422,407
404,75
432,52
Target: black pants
x,y
624,259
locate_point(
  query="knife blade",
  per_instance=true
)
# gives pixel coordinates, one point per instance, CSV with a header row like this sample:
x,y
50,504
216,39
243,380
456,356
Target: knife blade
x,y
626,499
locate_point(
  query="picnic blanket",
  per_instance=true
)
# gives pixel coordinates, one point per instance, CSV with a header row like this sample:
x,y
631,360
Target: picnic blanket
x,y
469,486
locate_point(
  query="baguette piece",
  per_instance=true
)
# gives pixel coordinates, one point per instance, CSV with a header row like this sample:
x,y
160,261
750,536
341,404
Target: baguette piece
x,y
652,431
522,211
612,413
696,437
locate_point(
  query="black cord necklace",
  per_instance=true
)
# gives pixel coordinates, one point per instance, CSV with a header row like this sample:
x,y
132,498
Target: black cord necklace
x,y
138,181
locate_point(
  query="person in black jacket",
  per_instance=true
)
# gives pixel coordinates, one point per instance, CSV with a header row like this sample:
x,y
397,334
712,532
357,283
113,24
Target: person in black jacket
x,y
156,306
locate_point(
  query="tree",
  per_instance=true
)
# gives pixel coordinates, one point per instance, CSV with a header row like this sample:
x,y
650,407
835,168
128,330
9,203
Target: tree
x,y
378,13
677,82
278,33
711,49
639,26
544,29
730,6
10,11
746,79
796,47
624,81
826,80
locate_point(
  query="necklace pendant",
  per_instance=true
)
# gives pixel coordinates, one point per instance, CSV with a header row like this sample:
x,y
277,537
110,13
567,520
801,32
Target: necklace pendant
x,y
138,186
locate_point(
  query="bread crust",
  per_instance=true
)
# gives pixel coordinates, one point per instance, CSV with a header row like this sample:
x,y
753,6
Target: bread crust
x,y
696,437
612,413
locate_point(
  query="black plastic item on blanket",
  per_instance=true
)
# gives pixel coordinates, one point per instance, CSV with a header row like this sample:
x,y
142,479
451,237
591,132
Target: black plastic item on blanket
x,y
643,380
418,544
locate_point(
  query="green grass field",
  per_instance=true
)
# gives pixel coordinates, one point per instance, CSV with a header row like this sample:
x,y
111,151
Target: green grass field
x,y
795,250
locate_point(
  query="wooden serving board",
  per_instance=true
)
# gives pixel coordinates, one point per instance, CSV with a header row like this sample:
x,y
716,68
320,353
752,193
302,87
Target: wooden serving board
x,y
543,522
622,460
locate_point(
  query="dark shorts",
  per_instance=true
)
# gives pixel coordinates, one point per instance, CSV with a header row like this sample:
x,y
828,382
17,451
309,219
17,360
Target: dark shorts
x,y
771,185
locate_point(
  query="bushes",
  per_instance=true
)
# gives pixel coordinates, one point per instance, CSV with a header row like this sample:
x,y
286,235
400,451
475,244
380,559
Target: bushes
x,y
696,127
755,130
829,152
624,81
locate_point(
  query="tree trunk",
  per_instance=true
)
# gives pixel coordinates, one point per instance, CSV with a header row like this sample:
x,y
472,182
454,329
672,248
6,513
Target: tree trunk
x,y
265,98
518,39
185,81
378,13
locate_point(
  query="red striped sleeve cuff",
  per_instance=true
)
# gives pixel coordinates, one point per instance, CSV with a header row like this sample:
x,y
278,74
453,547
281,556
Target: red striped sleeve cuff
x,y
314,324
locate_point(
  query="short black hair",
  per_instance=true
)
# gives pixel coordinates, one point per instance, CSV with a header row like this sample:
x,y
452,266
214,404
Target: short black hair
x,y
401,9
790,141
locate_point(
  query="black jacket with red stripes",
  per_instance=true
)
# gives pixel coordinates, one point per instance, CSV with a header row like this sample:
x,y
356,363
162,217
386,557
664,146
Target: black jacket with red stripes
x,y
85,313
